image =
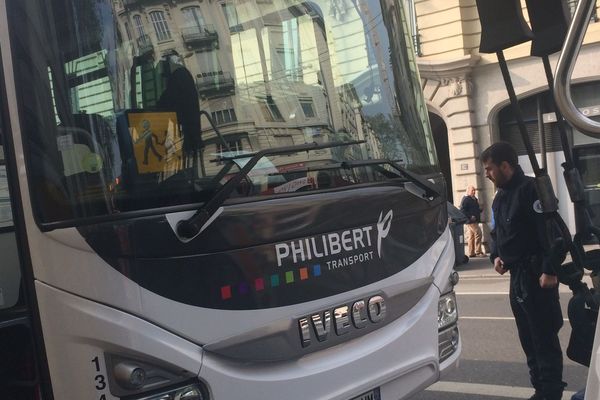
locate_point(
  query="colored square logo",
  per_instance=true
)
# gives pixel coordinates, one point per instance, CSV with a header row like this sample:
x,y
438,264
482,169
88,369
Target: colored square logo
x,y
303,274
289,277
274,280
244,288
259,284
317,270
225,292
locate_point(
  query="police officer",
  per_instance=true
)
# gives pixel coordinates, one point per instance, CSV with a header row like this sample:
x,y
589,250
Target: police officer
x,y
520,247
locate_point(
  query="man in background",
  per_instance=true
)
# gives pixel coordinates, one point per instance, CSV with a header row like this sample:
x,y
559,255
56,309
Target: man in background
x,y
469,205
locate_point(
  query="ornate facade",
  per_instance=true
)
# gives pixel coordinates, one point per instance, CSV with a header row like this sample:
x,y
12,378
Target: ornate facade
x,y
465,89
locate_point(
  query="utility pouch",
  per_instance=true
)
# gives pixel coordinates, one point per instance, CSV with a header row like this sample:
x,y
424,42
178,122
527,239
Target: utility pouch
x,y
583,314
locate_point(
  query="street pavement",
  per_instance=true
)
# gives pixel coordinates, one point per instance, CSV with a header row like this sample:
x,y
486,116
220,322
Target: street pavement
x,y
492,364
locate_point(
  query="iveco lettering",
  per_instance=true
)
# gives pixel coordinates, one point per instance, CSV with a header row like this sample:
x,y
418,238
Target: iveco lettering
x,y
344,318
215,199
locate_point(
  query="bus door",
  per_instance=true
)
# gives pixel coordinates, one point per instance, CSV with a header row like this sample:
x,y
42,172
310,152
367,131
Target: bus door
x,y
19,377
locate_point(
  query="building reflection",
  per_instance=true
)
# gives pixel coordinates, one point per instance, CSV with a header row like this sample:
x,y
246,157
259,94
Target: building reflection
x,y
266,71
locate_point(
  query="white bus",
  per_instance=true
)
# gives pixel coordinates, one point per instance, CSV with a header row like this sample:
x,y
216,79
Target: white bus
x,y
213,199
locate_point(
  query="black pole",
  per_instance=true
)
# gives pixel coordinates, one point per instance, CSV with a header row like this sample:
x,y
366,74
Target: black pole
x,y
583,219
544,189
517,111
584,225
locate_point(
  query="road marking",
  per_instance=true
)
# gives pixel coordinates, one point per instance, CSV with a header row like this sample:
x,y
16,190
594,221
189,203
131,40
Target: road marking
x,y
497,318
481,389
561,291
482,277
480,293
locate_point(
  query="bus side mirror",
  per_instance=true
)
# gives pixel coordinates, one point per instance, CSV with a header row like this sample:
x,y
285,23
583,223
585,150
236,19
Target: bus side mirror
x,y
549,24
502,25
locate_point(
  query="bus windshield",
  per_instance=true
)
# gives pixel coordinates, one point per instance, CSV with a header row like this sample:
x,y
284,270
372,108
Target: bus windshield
x,y
131,105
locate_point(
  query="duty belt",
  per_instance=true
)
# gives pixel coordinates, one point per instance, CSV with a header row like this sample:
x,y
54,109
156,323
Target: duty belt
x,y
525,262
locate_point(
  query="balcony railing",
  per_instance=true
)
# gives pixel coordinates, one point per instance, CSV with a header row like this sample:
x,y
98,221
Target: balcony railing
x,y
130,3
200,36
145,45
215,85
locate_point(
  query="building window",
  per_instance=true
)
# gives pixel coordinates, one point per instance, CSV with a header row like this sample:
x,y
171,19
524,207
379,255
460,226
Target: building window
x,y
270,110
193,17
510,132
160,25
414,30
224,116
127,31
232,17
236,146
307,108
139,25
5,210
291,55
287,55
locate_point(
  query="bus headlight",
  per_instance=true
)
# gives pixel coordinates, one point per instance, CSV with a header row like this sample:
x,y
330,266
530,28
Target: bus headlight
x,y
189,392
447,310
137,379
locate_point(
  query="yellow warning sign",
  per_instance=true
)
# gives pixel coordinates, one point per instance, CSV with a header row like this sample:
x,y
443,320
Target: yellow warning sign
x,y
157,143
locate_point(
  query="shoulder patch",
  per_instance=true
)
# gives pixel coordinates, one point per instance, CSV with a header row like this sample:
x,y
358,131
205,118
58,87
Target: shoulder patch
x,y
537,207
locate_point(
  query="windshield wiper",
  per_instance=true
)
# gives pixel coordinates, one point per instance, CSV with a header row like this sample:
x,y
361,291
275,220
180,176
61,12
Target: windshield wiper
x,y
422,187
429,191
189,228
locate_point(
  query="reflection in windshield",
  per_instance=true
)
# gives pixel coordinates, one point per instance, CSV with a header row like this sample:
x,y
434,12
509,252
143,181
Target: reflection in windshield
x,y
5,210
141,103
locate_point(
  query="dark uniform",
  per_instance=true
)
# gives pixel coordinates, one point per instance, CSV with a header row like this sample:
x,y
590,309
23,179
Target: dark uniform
x,y
519,242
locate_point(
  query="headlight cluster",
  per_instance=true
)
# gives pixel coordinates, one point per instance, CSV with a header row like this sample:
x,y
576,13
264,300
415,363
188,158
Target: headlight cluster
x,y
447,310
190,392
146,380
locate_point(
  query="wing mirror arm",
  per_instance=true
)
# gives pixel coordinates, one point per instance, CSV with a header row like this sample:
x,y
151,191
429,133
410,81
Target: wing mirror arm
x,y
564,70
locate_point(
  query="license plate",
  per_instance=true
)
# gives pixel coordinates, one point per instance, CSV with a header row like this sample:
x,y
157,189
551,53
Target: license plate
x,y
370,395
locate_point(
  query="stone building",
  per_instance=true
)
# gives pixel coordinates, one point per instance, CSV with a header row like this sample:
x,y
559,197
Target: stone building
x,y
469,107
247,81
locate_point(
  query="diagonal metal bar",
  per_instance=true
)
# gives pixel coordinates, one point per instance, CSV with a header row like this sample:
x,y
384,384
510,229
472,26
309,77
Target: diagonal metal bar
x,y
517,112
